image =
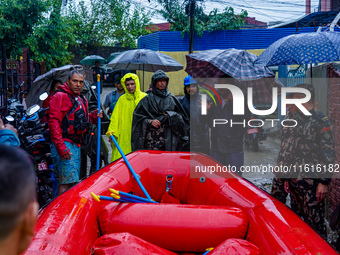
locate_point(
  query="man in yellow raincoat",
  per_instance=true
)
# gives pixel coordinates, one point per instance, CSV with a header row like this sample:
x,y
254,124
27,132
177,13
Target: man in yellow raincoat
x,y
121,119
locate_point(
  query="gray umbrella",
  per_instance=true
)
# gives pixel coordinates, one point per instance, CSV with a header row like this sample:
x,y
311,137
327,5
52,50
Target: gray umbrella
x,y
146,60
43,83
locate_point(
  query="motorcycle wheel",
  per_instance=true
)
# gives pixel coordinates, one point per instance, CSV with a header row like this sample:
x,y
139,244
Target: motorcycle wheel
x,y
255,142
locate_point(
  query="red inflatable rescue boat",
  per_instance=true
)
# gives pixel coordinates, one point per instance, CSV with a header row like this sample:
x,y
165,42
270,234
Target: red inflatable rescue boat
x,y
200,213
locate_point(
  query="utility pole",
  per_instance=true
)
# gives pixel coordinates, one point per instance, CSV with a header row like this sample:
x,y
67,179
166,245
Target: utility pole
x,y
308,4
192,4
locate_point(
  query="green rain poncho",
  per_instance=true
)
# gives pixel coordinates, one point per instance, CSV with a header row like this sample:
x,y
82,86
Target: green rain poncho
x,y
121,119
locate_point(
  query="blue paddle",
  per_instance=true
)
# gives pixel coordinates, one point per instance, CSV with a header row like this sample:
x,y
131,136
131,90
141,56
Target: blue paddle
x,y
130,168
99,122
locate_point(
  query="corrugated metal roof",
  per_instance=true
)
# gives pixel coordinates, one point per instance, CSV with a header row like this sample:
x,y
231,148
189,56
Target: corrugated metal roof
x,y
246,39
320,19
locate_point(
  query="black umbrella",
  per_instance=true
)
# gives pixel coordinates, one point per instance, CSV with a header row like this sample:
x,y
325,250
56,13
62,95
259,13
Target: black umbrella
x,y
43,83
145,60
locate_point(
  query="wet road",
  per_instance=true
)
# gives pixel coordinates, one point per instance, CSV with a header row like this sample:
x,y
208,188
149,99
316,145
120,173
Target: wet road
x,y
258,162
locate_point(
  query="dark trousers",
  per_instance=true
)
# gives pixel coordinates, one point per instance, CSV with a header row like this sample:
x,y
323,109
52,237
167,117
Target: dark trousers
x,y
303,201
278,190
305,204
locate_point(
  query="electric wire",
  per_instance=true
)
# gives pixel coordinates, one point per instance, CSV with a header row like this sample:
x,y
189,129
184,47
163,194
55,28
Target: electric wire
x,y
259,9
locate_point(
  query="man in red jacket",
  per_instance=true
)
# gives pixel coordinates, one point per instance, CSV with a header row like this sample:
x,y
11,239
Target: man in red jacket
x,y
69,118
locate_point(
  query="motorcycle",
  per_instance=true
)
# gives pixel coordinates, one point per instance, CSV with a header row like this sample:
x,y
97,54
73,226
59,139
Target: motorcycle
x,y
16,108
35,140
254,132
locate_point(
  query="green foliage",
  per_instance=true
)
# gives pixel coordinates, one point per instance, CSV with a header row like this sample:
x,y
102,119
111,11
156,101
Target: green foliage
x,y
51,40
107,22
175,12
87,22
130,28
17,21
227,20
49,30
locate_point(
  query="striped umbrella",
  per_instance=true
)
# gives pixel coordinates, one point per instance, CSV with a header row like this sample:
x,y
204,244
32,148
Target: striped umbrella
x,y
207,66
238,64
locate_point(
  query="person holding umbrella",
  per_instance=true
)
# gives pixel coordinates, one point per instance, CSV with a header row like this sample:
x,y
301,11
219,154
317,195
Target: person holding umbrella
x,y
227,140
98,70
121,120
69,119
191,102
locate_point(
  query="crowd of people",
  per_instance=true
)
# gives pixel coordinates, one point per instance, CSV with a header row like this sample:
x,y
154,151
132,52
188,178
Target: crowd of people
x,y
159,121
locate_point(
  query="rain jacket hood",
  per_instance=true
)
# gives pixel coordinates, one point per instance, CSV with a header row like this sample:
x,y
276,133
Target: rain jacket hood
x,y
158,75
121,118
137,92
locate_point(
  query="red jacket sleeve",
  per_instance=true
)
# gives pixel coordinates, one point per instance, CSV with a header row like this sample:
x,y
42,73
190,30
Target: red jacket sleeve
x,y
60,105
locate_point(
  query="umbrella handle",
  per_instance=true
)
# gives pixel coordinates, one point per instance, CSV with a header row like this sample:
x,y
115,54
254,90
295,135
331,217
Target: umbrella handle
x,y
98,123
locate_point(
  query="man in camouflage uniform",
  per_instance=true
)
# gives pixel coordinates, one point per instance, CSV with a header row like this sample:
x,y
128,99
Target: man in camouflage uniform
x,y
308,151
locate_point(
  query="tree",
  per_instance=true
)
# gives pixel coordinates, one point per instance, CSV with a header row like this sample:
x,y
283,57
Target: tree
x,y
49,31
107,22
88,22
176,13
227,20
17,21
52,38
131,27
